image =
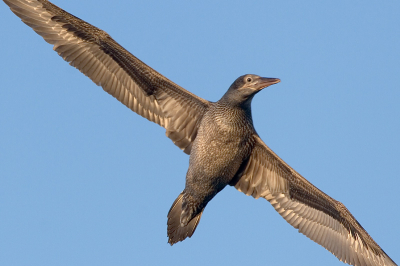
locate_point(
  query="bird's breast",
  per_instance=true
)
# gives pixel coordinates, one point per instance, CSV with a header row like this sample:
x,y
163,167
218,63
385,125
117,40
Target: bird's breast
x,y
219,148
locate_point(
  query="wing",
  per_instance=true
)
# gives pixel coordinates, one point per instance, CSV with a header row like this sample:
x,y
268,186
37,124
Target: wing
x,y
121,74
316,215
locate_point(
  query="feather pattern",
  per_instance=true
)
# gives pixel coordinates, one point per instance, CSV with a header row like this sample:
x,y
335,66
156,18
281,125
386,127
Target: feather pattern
x,y
316,215
110,66
151,95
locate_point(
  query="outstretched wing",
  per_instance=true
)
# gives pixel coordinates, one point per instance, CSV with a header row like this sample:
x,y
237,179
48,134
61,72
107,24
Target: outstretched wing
x,y
316,215
121,74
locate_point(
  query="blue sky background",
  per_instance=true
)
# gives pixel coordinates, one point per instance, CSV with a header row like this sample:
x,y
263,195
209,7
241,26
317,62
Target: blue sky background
x,y
85,181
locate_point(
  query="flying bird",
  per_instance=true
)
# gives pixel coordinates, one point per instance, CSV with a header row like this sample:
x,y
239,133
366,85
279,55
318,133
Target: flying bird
x,y
220,138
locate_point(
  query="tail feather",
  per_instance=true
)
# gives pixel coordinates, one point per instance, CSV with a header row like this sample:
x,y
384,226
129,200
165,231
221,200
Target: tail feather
x,y
175,231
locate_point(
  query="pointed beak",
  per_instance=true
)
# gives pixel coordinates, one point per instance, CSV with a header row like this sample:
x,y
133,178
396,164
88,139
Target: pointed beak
x,y
265,82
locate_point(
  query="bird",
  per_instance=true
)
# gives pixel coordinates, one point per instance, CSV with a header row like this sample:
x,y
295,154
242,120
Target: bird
x,y
223,146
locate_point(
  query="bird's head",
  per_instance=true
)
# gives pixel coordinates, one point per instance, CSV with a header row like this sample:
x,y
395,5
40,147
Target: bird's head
x,y
245,87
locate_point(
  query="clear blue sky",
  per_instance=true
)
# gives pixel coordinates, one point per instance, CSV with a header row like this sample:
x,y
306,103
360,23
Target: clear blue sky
x,y
85,181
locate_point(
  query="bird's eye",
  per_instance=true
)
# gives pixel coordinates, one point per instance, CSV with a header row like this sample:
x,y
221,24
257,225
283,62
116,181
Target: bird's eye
x,y
248,80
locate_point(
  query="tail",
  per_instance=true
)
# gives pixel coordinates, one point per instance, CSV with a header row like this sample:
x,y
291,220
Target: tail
x,y
175,231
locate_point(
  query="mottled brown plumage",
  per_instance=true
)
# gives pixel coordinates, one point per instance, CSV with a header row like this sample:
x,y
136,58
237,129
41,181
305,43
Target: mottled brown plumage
x,y
220,137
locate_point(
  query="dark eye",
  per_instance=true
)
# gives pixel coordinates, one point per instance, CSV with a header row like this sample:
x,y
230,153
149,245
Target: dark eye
x,y
248,79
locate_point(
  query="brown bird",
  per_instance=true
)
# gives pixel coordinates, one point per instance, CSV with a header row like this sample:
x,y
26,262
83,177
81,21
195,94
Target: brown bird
x,y
220,138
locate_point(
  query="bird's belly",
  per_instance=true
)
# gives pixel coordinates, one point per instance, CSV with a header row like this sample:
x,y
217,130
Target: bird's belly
x,y
216,159
217,156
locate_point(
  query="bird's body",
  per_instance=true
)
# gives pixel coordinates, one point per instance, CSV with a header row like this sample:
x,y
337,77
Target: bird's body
x,y
222,144
220,138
